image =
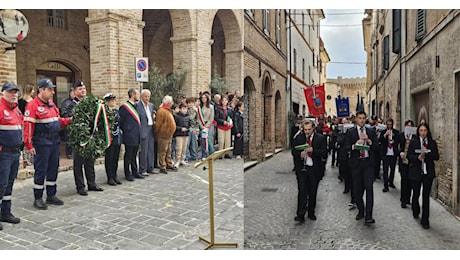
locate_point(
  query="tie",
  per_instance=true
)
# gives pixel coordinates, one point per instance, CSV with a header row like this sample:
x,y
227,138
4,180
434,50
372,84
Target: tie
x,y
389,143
363,153
425,143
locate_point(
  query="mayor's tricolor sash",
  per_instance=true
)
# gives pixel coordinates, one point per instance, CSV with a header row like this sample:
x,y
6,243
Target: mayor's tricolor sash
x,y
132,111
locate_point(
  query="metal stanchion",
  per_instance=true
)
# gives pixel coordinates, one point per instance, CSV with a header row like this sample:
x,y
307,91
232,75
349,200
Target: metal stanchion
x,y
210,161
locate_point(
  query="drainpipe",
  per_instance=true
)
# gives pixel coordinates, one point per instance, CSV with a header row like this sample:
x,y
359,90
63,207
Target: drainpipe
x,y
405,95
291,109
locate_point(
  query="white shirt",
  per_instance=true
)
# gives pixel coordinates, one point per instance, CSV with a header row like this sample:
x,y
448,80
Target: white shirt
x,y
366,153
149,114
390,151
423,162
309,160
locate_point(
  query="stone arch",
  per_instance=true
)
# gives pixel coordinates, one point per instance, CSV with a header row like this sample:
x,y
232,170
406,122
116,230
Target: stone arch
x,y
63,73
227,48
249,99
267,108
279,117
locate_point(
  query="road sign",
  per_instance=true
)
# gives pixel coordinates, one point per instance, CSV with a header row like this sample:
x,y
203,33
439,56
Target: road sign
x,y
142,69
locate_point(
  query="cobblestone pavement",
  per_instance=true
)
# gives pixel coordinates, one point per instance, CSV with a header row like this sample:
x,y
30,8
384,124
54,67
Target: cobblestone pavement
x,y
270,203
158,212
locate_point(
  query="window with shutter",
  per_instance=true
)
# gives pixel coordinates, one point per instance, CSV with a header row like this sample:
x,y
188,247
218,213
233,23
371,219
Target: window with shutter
x,y
303,69
56,18
396,30
278,28
266,21
420,28
386,53
295,61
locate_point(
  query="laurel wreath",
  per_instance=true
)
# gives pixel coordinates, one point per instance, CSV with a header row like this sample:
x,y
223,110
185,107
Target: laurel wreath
x,y
89,141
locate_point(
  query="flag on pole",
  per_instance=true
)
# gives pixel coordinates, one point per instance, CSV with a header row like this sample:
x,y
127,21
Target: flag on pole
x,y
315,98
343,106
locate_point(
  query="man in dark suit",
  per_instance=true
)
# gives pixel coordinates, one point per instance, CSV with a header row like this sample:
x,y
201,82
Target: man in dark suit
x,y
309,168
147,116
361,164
130,124
389,153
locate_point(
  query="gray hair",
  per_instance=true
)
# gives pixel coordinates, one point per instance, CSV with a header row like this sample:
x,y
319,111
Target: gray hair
x,y
167,100
145,91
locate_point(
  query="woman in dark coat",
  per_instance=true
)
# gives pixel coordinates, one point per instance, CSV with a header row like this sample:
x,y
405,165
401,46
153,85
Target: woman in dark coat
x,y
422,153
238,130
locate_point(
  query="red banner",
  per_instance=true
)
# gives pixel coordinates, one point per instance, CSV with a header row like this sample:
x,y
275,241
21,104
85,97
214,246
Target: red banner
x,y
315,100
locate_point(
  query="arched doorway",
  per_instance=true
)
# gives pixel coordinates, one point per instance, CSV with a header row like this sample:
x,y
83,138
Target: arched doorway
x,y
267,112
158,47
248,115
279,119
63,77
227,48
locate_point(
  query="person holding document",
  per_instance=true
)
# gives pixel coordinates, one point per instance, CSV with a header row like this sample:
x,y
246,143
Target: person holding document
x,y
389,151
422,153
404,140
308,149
362,144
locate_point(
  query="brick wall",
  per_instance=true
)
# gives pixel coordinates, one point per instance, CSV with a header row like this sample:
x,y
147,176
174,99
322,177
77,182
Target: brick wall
x,y
7,64
45,44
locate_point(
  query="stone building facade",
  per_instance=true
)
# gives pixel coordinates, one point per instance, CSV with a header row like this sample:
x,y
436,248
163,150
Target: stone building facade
x,y
345,87
264,82
99,47
416,74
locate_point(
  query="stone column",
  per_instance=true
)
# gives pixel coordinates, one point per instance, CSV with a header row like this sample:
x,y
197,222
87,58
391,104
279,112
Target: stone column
x,y
115,37
7,64
234,69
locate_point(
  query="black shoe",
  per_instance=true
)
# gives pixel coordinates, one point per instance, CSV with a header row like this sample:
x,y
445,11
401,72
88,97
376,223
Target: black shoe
x,y
378,177
228,156
369,221
415,215
111,182
385,189
312,216
332,166
1,227
151,172
138,176
293,169
117,181
95,188
82,192
129,178
300,219
163,171
346,191
403,205
54,200
359,216
426,226
39,204
392,186
174,169
9,218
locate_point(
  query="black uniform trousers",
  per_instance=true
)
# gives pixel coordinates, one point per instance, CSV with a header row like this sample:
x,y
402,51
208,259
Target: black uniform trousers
x,y
111,160
130,161
80,162
426,183
345,173
238,146
363,180
377,161
405,183
308,188
388,161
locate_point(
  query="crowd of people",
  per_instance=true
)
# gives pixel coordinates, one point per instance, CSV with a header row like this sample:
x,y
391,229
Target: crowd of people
x,y
166,138
361,145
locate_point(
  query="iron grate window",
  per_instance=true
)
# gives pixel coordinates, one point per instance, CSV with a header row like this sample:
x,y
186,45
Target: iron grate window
x,y
56,18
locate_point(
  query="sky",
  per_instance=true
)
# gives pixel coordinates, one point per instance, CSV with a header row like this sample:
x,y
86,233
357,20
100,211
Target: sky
x,y
344,43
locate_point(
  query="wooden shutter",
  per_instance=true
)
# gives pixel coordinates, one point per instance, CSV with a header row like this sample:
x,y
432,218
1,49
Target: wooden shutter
x,y
396,30
420,28
386,53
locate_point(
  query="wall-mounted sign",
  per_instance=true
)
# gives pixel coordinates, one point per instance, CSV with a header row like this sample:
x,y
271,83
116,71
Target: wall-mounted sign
x,y
14,26
142,69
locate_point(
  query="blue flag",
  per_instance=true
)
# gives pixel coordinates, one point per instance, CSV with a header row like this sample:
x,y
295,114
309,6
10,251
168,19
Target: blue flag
x,y
343,107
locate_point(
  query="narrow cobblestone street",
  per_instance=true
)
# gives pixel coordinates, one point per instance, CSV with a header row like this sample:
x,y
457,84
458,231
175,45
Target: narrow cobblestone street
x,y
158,212
270,208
